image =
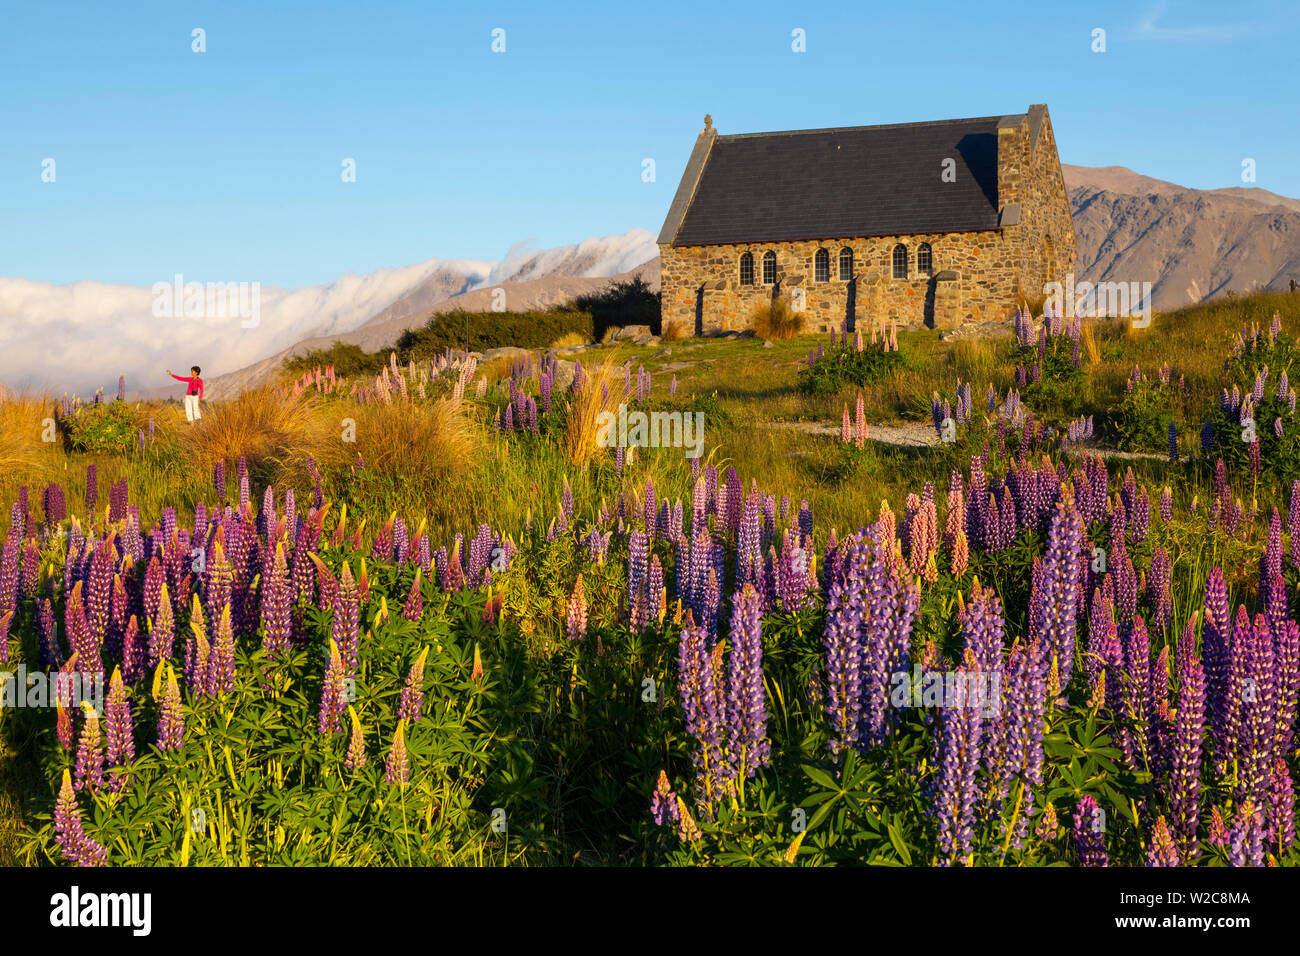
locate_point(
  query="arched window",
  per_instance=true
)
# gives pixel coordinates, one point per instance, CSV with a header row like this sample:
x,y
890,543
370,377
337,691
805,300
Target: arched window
x,y
769,268
747,268
900,261
846,264
822,266
924,260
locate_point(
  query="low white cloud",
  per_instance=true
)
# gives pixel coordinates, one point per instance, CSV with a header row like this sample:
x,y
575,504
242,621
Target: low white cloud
x,y
82,336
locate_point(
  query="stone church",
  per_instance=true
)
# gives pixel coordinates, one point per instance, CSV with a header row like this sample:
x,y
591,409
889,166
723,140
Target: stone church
x,y
934,224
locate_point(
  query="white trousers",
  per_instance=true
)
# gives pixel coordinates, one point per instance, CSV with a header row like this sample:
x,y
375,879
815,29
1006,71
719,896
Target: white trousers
x,y
192,412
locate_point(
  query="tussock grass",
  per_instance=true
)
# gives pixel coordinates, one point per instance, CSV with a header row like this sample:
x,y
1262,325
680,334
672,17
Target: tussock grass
x,y
776,320
571,339
23,420
673,331
584,417
418,443
263,425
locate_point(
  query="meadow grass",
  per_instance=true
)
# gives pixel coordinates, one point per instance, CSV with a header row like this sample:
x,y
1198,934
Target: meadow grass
x,y
446,463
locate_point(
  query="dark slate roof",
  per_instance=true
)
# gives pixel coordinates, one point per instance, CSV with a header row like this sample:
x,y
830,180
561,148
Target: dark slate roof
x,y
843,183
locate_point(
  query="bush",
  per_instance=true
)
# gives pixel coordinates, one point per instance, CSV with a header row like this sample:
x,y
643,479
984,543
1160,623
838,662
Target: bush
x,y
1275,426
1140,422
102,428
534,329
348,360
842,366
631,302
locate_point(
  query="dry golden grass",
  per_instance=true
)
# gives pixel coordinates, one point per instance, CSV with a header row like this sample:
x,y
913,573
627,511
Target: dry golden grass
x,y
496,369
776,320
569,340
584,417
25,420
1034,303
609,334
672,331
415,442
263,425
1088,339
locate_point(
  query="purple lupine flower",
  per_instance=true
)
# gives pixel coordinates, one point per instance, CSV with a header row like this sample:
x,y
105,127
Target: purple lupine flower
x,y
333,699
162,631
1060,581
54,504
171,719
663,803
397,765
92,488
219,479
891,601
119,735
654,604
638,570
413,608
748,747
1246,837
355,758
1253,671
277,608
842,649
89,771
1020,727
31,574
76,846
704,708
1162,851
1184,757
242,470
1167,505
345,628
1089,832
412,702
1158,589
50,655
220,675
576,616
957,756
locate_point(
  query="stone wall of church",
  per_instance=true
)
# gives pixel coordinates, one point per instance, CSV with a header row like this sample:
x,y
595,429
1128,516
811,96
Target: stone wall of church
x,y
702,289
1047,231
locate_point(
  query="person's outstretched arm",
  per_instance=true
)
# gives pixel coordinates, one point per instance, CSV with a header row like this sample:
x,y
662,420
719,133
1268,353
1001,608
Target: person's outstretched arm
x,y
179,378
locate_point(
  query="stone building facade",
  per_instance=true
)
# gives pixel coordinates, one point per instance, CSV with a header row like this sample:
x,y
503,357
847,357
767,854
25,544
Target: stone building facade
x,y
928,224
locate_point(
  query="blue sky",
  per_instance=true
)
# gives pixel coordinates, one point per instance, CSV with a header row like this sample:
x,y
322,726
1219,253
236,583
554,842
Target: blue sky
x,y
226,165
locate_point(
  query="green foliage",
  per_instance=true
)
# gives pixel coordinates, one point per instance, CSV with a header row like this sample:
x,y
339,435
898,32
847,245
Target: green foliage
x,y
1279,454
843,366
1140,420
106,427
1061,385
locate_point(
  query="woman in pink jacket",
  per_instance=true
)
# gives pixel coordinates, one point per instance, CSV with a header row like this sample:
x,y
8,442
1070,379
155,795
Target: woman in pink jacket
x,y
193,392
